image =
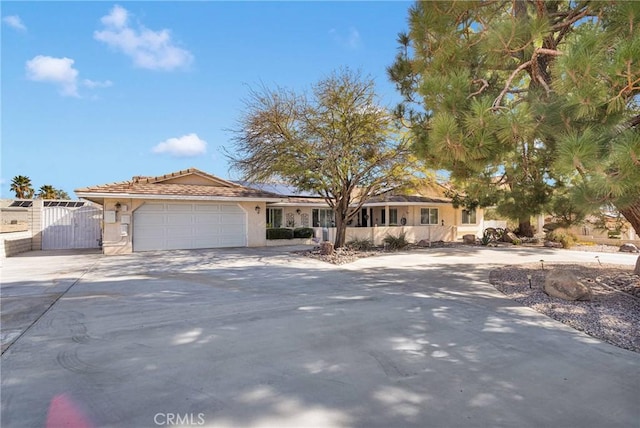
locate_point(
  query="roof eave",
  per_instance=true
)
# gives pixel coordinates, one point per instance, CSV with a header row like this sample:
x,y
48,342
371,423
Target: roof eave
x,y
92,196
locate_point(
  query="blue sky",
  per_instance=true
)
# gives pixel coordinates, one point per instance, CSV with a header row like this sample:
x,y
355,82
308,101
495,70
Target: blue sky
x,y
97,92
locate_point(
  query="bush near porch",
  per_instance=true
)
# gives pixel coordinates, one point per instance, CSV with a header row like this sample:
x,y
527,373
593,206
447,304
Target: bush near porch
x,y
288,233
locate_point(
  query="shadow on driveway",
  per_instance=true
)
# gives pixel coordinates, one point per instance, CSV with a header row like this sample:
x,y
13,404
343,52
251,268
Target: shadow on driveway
x,y
251,339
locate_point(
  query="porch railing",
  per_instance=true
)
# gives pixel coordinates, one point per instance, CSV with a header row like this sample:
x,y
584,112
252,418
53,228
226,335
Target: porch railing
x,y
378,233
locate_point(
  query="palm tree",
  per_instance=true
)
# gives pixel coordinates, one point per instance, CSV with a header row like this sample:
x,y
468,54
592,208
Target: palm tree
x,y
21,185
61,194
47,191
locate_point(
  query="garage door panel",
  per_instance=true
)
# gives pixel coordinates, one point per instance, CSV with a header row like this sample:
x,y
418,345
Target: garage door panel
x,y
232,229
207,219
207,208
191,225
152,220
232,219
183,208
178,232
231,241
235,209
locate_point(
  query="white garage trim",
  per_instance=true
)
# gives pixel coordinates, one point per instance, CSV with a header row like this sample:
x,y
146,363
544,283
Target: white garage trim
x,y
188,225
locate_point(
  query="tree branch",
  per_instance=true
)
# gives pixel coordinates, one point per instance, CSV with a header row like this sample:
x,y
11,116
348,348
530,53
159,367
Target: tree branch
x,y
484,86
498,100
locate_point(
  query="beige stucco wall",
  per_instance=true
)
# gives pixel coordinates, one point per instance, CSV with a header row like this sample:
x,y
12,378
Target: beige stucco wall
x,y
256,223
413,234
113,242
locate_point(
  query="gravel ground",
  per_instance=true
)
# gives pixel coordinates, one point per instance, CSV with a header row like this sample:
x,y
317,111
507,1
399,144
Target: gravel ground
x,y
347,255
612,316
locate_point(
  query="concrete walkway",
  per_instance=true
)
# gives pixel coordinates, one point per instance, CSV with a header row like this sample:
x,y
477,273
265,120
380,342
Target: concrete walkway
x,y
263,338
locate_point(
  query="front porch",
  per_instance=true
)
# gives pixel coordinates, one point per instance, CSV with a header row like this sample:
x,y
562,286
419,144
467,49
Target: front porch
x,y
376,234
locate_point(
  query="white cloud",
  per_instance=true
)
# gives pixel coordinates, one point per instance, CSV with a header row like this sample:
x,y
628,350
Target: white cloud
x,y
185,146
154,50
58,71
15,22
92,84
350,41
61,73
117,18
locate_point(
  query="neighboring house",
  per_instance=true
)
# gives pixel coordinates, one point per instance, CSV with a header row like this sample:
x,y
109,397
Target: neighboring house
x,y
192,209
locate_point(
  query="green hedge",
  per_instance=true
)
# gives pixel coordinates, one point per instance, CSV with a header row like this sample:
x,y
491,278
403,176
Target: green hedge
x,y
303,232
279,233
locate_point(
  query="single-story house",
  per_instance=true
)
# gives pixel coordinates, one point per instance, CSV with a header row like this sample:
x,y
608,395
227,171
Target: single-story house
x,y
192,209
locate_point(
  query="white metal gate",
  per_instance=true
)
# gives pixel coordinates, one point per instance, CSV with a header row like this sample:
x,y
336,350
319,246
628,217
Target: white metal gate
x,y
68,228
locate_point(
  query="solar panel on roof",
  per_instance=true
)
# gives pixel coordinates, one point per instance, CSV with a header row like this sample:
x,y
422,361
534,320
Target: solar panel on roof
x,y
21,204
68,204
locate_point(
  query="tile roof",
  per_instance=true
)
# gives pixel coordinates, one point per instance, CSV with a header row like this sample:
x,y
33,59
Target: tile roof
x,y
154,186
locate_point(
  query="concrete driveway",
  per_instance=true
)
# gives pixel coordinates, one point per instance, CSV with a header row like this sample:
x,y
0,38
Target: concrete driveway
x,y
263,338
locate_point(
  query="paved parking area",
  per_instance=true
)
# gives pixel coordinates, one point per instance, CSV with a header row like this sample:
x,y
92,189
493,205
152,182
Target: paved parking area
x,y
264,338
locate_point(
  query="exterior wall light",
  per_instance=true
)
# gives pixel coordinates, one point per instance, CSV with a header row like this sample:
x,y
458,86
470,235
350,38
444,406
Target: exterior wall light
x,y
258,209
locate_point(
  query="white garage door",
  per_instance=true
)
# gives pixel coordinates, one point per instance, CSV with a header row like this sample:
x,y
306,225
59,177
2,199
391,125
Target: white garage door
x,y
179,226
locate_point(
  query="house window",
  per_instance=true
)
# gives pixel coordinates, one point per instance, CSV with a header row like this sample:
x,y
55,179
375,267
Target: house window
x,y
393,216
323,218
274,217
469,216
429,216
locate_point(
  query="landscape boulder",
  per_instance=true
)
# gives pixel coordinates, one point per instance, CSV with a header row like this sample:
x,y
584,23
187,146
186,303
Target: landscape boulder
x,y
551,244
469,239
424,243
564,285
629,248
509,237
326,248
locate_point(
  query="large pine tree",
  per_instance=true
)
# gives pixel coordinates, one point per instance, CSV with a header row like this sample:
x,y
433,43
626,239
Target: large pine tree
x,y
514,97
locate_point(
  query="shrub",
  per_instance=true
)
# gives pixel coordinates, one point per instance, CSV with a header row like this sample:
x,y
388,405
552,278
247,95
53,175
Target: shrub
x,y
360,244
303,232
516,241
279,233
563,236
395,242
486,239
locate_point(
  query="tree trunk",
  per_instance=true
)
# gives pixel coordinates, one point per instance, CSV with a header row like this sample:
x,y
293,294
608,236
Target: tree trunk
x,y
637,269
341,231
524,228
632,214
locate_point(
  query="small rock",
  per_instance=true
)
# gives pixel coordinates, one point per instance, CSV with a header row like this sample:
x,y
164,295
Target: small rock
x,y
552,244
564,285
469,239
629,248
424,243
509,237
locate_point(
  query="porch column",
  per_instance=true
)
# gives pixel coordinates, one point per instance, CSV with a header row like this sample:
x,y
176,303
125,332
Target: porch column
x,y
386,215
